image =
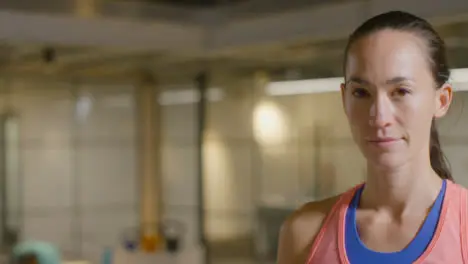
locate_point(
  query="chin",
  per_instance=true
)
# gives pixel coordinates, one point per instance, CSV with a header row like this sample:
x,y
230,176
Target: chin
x,y
387,160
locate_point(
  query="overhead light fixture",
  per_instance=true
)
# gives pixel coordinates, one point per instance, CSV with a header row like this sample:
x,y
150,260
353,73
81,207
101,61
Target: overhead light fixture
x,y
189,96
459,80
304,86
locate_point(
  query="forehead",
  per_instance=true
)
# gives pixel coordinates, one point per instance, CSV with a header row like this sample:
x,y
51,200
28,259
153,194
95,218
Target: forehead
x,y
389,53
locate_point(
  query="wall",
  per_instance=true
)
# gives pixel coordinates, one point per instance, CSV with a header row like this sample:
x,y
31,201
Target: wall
x,y
230,157
78,174
454,137
179,164
228,162
77,162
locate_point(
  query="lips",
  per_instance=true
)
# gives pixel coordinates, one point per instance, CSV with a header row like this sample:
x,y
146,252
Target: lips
x,y
383,140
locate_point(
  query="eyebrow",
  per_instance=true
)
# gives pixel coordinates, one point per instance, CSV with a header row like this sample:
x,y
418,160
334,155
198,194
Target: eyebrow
x,y
394,80
354,79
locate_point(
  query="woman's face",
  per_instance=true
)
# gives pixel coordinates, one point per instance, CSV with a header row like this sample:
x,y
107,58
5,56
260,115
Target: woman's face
x,y
390,97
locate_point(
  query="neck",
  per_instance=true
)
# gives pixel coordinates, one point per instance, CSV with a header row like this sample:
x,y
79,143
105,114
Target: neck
x,y
399,190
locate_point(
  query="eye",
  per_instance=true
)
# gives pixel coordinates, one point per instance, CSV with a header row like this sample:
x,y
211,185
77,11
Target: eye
x,y
360,93
401,92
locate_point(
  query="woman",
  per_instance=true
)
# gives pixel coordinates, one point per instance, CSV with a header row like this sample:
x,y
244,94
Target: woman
x,y
408,210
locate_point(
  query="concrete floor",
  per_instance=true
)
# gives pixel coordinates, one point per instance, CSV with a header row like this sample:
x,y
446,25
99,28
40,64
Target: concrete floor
x,y
192,256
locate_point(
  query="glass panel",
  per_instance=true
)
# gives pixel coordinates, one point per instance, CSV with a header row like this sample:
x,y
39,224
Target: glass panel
x,y
179,157
12,183
231,190
105,165
44,111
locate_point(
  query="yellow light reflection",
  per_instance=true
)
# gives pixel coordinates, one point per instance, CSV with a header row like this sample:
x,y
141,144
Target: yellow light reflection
x,y
270,124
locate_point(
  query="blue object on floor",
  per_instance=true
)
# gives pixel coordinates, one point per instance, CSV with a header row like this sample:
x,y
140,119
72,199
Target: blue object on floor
x,y
107,256
44,252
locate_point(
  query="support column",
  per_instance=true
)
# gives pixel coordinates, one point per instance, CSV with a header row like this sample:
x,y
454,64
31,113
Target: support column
x,y
202,82
149,162
261,240
202,86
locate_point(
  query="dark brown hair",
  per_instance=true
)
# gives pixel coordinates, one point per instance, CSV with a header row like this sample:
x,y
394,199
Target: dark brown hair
x,y
398,20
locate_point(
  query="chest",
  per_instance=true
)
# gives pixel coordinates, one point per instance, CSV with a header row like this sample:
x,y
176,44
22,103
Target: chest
x,y
384,234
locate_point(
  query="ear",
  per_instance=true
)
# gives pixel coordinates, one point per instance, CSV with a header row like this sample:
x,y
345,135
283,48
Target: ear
x,y
443,100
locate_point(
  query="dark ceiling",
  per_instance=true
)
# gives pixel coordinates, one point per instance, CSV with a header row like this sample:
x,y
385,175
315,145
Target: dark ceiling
x,y
194,3
310,58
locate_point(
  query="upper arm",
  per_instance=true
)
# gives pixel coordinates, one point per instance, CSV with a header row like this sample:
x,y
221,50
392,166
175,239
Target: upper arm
x,y
287,252
298,232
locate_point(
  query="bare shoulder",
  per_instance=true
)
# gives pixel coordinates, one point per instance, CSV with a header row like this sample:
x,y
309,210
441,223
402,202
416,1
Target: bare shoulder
x,y
300,229
310,214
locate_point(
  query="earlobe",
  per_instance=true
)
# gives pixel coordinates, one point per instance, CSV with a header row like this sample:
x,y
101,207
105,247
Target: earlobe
x,y
443,100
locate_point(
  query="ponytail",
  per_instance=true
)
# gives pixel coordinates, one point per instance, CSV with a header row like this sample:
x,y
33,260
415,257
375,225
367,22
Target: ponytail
x,y
439,162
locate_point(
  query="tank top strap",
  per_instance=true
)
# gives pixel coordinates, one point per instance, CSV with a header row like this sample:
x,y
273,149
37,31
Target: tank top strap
x,y
463,196
332,218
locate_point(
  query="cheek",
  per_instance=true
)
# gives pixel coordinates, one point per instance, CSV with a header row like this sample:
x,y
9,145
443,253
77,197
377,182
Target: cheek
x,y
358,115
416,120
357,110
416,112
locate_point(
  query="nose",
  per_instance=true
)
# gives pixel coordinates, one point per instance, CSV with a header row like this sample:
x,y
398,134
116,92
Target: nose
x,y
381,112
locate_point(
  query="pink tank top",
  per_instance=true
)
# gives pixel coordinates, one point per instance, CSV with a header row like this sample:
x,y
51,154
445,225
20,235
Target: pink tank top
x,y
449,244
